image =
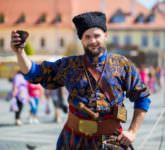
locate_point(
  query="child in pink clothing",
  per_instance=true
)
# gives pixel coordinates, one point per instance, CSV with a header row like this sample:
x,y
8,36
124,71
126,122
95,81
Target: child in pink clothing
x,y
35,92
143,74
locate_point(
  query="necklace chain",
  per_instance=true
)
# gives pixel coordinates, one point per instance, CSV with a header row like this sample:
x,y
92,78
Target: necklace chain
x,y
98,81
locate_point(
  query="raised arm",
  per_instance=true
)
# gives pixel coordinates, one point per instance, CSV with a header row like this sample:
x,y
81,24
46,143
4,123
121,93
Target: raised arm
x,y
23,61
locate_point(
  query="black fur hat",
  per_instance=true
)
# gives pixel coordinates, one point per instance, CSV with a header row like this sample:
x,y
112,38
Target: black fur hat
x,y
89,20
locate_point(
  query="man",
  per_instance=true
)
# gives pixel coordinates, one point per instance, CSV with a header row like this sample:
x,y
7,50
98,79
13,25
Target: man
x,y
93,101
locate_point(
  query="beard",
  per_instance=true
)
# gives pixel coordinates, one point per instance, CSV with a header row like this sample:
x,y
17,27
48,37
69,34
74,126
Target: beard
x,y
94,52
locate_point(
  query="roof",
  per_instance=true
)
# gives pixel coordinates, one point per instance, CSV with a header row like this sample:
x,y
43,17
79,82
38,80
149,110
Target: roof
x,y
159,8
34,9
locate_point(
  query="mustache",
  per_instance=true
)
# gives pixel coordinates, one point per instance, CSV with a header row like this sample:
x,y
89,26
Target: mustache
x,y
91,45
93,54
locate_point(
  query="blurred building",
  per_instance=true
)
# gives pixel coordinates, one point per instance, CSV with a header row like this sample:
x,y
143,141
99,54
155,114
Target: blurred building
x,y
46,21
130,24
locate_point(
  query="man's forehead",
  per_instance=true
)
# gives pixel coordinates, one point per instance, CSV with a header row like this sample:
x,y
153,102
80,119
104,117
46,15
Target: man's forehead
x,y
93,30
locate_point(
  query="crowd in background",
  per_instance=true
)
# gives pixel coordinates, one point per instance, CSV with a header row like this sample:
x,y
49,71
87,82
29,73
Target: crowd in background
x,y
26,93
153,77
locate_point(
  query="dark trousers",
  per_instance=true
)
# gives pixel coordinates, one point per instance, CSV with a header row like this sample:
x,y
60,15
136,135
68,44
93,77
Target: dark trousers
x,y
18,113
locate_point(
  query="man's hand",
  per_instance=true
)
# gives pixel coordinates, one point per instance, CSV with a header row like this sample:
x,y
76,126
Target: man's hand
x,y
126,137
18,39
17,45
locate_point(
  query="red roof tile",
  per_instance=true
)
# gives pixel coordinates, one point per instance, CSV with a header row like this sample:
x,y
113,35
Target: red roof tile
x,y
33,9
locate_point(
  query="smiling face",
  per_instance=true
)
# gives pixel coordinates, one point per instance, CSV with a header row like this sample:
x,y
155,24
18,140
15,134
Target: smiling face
x,y
94,41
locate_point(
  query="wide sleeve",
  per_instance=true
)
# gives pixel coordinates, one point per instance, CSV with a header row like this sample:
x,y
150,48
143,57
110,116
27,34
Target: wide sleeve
x,y
135,88
142,104
50,75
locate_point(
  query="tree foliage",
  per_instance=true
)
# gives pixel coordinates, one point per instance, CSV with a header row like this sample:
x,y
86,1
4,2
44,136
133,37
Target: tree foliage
x,y
29,49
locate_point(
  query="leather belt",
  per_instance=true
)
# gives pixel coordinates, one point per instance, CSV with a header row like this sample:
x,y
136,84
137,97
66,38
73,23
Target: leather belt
x,y
92,127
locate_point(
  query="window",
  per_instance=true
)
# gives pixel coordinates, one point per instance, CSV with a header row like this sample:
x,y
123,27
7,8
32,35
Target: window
x,y
156,40
140,18
144,40
42,43
61,42
118,17
2,18
128,40
150,18
41,19
57,19
1,43
21,19
115,40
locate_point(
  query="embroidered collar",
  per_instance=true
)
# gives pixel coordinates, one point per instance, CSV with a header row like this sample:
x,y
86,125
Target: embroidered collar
x,y
99,60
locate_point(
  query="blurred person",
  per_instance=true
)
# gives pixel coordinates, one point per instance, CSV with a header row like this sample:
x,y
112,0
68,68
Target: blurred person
x,y
57,97
20,95
152,82
162,77
152,79
8,96
97,82
35,94
158,76
143,73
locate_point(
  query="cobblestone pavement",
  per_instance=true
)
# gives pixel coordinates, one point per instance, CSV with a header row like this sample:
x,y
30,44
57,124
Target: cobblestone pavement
x,y
157,106
44,135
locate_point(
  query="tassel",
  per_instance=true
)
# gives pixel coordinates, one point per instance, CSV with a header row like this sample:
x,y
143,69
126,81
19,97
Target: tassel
x,y
65,141
94,144
71,143
63,148
79,144
85,143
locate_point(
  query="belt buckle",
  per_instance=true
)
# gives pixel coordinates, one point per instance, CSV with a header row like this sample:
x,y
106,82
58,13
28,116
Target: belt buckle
x,y
88,127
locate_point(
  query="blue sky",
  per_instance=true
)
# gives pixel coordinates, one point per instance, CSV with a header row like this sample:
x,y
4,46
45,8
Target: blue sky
x,y
148,3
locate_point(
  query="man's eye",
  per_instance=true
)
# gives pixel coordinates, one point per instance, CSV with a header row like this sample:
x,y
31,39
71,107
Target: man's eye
x,y
97,36
87,37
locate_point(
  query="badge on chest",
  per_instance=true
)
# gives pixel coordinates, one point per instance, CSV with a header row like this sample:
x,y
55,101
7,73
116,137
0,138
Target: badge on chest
x,y
98,103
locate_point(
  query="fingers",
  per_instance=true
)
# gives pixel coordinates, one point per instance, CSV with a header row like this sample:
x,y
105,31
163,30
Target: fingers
x,y
125,139
15,40
15,37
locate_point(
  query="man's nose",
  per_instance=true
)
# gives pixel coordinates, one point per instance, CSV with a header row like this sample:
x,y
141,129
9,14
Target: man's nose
x,y
92,40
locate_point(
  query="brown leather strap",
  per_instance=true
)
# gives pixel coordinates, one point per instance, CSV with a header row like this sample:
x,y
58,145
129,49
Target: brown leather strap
x,y
105,127
107,90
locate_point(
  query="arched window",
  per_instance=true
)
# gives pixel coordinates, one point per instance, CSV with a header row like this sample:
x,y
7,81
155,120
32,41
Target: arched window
x,y
118,17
